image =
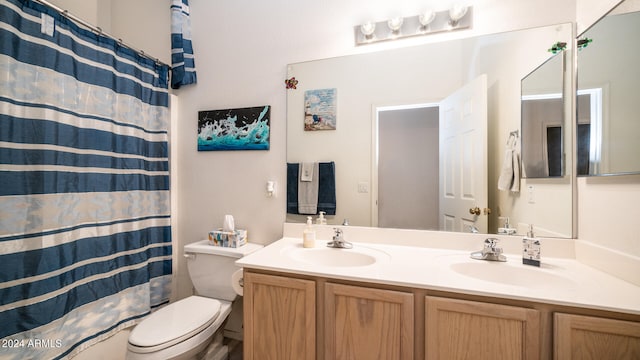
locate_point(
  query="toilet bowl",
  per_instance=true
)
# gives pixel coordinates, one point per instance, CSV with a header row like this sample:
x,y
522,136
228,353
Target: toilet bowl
x,y
183,329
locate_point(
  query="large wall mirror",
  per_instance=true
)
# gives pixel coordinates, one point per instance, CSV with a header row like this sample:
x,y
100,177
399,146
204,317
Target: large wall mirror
x,y
388,142
608,96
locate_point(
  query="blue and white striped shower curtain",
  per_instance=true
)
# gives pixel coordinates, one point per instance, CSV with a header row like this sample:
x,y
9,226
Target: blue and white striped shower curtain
x,y
183,65
85,237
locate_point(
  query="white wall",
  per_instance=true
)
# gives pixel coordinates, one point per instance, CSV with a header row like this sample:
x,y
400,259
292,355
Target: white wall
x,y
86,10
589,11
608,212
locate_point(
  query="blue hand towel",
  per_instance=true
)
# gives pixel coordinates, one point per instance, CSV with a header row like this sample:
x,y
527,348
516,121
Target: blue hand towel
x,y
327,188
292,188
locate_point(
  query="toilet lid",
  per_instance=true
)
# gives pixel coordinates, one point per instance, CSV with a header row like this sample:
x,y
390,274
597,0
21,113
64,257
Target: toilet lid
x,y
175,322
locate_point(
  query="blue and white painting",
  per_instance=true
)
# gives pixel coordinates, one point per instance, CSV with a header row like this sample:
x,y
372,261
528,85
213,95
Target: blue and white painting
x,y
320,109
234,129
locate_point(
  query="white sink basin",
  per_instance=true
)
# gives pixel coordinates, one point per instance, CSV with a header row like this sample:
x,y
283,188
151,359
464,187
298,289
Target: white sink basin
x,y
512,272
325,256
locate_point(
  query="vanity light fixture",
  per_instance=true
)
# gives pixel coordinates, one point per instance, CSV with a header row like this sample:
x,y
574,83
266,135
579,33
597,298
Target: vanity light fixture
x,y
427,22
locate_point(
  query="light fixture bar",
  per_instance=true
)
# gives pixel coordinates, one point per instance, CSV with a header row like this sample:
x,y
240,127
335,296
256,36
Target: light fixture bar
x,y
411,27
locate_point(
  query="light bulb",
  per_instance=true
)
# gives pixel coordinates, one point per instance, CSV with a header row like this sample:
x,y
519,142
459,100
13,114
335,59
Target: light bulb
x,y
456,13
395,24
368,29
426,17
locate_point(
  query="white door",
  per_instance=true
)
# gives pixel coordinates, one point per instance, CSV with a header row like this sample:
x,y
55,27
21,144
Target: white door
x,y
463,158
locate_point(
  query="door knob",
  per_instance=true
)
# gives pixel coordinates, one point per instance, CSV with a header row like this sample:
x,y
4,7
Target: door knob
x,y
487,211
475,211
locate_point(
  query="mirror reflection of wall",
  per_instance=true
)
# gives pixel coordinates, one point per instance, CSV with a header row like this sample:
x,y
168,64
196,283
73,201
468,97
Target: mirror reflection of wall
x,y
608,97
407,167
419,75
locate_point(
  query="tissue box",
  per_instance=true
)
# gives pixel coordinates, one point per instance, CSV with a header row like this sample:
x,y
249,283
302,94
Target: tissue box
x,y
232,239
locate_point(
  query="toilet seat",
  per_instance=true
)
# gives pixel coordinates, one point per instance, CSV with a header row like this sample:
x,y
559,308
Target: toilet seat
x,y
174,323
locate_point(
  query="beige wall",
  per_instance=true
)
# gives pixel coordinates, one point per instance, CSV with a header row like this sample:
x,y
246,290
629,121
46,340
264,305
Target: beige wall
x,y
96,12
589,11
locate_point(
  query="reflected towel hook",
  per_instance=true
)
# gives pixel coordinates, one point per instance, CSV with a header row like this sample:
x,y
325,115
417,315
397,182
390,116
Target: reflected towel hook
x,y
513,135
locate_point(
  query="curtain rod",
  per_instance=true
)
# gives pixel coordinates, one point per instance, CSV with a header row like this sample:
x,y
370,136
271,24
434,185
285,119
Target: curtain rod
x,y
98,30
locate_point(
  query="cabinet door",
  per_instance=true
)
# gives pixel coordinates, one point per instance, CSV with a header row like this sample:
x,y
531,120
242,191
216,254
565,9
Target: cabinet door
x,y
365,323
586,337
460,329
279,318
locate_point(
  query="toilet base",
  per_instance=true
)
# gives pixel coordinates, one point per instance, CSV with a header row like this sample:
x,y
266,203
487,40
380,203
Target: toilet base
x,y
190,348
216,350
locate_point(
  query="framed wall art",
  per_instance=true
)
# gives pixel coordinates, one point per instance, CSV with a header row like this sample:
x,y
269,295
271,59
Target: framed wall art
x,y
234,129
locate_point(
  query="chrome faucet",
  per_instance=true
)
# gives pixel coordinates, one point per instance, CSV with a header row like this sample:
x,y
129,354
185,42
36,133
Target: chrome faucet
x,y
338,240
490,251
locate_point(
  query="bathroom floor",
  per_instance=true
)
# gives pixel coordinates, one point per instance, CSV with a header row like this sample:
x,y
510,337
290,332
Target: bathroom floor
x,y
116,348
236,352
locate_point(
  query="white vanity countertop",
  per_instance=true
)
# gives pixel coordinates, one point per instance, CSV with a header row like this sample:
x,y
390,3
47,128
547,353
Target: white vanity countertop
x,y
560,281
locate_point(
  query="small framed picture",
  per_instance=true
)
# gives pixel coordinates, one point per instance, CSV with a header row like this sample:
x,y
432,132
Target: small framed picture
x,y
320,109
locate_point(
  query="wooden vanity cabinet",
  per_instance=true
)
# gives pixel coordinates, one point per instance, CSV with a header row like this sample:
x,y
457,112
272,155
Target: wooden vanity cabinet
x,y
367,323
279,318
462,329
289,316
587,337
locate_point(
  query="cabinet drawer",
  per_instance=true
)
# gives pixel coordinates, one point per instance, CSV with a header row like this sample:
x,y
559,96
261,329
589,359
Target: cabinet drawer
x,y
367,323
279,318
587,337
462,329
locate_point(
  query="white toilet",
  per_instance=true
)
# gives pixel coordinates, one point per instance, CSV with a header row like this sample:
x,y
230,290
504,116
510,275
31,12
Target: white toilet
x,y
183,329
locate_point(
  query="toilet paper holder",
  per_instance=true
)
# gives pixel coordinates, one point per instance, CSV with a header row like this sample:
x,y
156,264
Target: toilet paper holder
x,y
237,282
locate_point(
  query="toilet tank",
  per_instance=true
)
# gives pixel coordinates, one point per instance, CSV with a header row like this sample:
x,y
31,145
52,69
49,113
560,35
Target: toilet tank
x,y
210,267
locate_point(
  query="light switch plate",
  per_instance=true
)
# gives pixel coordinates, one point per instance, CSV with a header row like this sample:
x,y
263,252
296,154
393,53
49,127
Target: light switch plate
x,y
363,187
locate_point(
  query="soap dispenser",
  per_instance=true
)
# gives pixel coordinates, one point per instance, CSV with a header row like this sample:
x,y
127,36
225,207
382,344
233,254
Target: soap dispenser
x,y
507,229
321,220
309,235
531,249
